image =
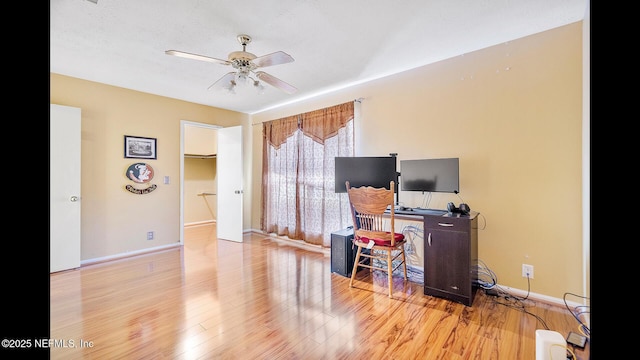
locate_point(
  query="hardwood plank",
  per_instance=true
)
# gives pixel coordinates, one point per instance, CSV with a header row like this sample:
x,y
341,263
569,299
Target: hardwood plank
x,y
262,299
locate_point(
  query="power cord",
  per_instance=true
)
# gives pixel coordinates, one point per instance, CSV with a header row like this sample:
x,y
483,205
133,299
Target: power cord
x,y
484,225
488,281
426,199
410,232
584,329
413,230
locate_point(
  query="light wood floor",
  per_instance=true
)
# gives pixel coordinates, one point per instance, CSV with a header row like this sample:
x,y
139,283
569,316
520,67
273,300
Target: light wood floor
x,y
259,299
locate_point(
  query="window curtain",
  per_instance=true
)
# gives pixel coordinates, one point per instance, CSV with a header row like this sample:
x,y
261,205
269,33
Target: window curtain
x,y
298,182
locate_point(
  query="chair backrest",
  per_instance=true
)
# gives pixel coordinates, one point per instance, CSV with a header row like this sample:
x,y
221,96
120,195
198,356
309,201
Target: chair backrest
x,y
368,206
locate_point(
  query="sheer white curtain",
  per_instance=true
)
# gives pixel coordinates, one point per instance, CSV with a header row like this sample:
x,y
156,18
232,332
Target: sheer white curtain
x,y
299,199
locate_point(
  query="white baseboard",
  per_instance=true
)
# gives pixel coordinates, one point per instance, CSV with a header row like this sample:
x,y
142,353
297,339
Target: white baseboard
x,y
128,254
539,297
200,223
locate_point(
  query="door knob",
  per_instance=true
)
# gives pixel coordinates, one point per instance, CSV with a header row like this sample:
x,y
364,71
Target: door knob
x,y
74,198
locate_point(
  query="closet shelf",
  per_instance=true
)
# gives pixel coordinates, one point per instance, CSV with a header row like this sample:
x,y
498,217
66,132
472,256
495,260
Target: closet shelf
x,y
195,156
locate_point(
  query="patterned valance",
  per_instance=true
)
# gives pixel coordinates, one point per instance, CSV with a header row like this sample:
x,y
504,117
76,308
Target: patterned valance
x,y
318,124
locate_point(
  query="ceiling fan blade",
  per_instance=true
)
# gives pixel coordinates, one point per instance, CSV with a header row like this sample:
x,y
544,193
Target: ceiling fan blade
x,y
275,58
197,57
274,81
224,82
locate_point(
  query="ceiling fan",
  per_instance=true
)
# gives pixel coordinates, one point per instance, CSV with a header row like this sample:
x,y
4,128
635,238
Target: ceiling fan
x,y
245,63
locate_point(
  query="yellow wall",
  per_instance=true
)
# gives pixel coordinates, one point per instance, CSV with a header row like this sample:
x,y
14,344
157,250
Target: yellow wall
x,y
200,141
512,113
115,221
200,176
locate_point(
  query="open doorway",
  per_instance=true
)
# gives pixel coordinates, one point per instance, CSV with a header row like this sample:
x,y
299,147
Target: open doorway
x,y
228,183
198,174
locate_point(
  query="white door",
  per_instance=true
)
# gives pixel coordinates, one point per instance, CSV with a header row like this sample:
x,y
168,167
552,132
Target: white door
x,y
229,170
64,187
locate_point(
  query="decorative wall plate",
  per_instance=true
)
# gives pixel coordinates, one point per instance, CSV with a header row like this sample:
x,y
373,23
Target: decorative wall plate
x,y
140,173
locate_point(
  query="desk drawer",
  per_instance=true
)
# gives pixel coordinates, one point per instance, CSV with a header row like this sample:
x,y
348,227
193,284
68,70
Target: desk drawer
x,y
446,223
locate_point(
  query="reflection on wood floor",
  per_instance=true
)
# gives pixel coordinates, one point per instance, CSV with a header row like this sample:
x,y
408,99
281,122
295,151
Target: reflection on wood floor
x,y
260,299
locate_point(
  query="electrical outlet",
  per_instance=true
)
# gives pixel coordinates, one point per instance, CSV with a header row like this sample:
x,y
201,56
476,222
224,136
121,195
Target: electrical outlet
x,y
150,235
527,271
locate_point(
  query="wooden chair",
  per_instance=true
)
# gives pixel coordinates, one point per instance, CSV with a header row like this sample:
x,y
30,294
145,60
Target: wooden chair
x,y
368,206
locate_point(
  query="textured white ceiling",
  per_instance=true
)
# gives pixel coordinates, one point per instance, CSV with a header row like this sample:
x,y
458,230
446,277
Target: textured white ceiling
x,y
335,43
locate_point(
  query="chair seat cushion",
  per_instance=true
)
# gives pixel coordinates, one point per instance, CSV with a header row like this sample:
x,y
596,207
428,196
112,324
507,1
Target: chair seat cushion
x,y
381,242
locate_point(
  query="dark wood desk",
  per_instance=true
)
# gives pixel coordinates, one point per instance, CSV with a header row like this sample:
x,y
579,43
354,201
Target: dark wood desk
x,y
450,253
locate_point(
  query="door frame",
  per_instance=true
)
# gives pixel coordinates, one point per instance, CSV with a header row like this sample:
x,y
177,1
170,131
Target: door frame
x,y
184,123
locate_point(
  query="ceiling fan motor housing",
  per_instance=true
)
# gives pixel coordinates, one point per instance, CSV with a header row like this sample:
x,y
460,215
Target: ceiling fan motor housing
x,y
241,60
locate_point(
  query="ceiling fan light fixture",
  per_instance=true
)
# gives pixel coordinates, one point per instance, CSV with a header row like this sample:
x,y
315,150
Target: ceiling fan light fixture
x,y
258,86
230,87
245,63
242,81
241,78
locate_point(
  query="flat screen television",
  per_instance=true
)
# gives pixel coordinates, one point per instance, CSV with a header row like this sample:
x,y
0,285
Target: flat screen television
x,y
430,175
365,171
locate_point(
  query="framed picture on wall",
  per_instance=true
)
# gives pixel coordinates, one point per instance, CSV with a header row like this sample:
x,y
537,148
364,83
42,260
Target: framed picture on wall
x,y
137,147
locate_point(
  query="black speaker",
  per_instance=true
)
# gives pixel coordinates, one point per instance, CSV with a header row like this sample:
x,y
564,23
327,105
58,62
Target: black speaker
x,y
342,252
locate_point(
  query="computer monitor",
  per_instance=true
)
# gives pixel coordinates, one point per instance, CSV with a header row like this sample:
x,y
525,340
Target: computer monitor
x,y
430,175
365,171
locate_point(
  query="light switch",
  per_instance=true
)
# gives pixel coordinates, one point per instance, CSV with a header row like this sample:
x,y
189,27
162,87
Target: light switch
x,y
166,180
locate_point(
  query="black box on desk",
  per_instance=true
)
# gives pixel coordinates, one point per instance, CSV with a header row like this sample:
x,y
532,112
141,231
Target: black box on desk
x,y
342,252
